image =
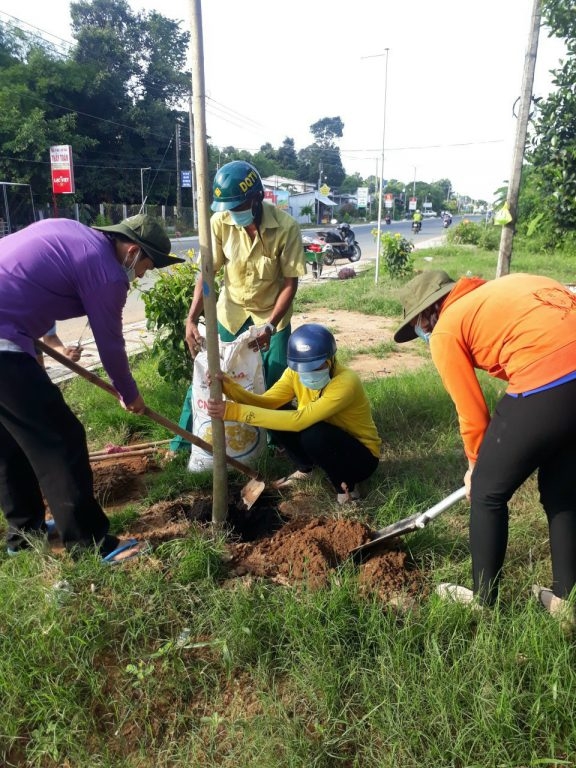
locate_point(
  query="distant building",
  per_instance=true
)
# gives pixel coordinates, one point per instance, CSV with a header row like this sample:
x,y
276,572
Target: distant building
x,y
303,200
293,186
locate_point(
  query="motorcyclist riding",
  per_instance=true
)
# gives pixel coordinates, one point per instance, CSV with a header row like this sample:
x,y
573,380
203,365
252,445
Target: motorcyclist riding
x,y
417,220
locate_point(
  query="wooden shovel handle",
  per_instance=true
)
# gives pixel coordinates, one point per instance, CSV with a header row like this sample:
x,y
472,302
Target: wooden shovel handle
x,y
157,417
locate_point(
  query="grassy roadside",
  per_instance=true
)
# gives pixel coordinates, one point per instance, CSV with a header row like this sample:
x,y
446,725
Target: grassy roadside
x,y
166,663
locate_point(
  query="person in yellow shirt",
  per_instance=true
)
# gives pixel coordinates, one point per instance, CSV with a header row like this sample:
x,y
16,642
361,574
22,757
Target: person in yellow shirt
x,y
332,426
260,248
522,329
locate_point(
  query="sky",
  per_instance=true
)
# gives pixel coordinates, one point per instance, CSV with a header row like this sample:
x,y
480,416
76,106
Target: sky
x,y
437,104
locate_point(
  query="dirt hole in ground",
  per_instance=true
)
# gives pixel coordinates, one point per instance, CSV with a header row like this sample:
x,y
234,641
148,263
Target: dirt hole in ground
x,y
285,539
282,540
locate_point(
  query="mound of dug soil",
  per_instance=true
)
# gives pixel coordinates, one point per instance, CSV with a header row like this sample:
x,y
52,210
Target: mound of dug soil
x,y
288,544
117,480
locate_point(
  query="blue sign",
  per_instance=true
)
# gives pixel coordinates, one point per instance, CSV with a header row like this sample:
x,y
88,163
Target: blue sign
x,y
186,179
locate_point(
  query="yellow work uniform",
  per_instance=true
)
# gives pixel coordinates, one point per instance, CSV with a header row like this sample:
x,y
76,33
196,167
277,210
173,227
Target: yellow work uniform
x,y
254,271
342,403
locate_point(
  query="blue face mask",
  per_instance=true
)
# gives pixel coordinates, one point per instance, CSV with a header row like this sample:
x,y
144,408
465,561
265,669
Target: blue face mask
x,y
315,379
131,270
421,333
242,218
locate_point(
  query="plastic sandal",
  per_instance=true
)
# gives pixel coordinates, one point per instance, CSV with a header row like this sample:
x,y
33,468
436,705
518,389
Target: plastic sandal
x,y
122,547
294,479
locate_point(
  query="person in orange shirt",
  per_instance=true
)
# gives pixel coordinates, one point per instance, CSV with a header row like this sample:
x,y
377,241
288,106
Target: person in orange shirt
x,y
522,329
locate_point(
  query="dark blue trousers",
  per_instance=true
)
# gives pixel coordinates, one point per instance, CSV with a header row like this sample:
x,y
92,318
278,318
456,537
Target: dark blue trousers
x,y
43,455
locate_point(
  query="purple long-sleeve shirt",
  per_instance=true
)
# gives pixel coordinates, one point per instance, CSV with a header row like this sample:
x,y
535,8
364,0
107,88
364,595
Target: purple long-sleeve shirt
x,y
57,269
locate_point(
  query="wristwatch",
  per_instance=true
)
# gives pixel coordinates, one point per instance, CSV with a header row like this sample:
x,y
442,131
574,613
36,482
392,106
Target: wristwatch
x,y
271,328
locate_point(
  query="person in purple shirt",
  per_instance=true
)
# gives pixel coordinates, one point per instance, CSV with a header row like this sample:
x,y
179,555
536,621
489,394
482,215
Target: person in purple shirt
x,y
54,270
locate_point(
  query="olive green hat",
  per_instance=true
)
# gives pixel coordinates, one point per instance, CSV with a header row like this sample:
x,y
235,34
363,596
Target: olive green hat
x,y
149,234
417,295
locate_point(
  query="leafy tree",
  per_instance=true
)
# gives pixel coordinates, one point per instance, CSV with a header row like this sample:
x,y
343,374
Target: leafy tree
x,y
552,150
321,160
326,130
351,183
287,157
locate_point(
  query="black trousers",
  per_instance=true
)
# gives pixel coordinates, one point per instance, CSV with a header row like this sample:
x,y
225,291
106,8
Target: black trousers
x,y
43,452
525,434
342,457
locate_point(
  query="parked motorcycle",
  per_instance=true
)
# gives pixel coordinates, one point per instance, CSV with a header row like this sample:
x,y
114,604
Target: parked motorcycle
x,y
340,243
416,227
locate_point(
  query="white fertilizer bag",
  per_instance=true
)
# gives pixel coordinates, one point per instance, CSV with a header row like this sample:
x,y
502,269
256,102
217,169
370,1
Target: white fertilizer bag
x,y
244,366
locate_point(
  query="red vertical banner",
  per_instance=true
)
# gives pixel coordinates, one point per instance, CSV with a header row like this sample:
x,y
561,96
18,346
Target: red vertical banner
x,y
62,169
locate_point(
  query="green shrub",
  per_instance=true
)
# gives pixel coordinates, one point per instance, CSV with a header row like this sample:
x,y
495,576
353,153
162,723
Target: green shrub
x,y
465,233
166,306
490,237
102,221
397,252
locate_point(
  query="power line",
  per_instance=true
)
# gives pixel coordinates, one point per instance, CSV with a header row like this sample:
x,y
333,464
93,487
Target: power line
x,y
38,34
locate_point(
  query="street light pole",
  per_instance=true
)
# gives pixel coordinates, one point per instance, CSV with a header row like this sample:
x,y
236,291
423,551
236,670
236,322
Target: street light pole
x,y
142,186
381,181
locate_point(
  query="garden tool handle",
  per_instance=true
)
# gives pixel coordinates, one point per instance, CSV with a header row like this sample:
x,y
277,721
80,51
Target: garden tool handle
x,y
157,417
437,509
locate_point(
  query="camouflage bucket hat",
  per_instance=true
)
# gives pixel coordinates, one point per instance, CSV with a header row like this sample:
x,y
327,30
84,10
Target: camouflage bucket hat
x,y
149,234
417,295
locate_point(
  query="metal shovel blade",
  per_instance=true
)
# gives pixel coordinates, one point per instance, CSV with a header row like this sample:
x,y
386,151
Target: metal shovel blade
x,y
412,523
251,492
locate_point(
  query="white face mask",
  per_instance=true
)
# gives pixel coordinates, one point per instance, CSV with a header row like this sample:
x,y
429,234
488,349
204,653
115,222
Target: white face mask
x,y
131,270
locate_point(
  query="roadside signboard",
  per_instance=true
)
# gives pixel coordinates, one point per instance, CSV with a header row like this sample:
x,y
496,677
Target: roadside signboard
x,y
388,200
362,197
62,169
412,203
186,179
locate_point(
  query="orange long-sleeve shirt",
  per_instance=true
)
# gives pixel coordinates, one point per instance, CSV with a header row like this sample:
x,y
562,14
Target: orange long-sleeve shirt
x,y
520,328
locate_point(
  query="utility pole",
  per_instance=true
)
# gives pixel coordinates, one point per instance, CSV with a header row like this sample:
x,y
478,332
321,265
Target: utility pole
x,y
178,182
320,170
219,478
192,165
507,236
381,175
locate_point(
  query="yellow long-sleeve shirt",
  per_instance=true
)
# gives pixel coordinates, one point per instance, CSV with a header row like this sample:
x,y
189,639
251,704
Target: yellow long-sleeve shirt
x,y
520,328
342,402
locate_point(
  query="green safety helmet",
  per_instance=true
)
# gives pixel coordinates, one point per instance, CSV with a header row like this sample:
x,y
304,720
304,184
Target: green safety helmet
x,y
234,184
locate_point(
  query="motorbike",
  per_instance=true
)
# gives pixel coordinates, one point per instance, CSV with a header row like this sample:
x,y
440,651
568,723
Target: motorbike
x,y
340,243
447,222
416,226
388,220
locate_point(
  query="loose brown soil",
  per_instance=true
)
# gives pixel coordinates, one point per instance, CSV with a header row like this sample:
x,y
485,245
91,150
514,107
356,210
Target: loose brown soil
x,y
283,538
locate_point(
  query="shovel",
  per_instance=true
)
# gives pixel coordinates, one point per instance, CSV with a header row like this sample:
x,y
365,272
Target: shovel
x,y
412,523
249,493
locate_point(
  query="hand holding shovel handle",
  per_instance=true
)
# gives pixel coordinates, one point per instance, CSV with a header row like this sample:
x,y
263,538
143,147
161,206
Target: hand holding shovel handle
x,y
157,417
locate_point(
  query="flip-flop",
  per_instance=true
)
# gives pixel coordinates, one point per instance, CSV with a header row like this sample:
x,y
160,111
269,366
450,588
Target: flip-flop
x,y
294,479
122,547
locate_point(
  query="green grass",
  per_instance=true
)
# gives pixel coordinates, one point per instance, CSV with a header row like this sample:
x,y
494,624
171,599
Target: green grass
x,y
167,664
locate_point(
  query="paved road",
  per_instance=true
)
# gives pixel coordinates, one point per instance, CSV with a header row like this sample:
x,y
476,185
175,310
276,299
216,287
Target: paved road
x,y
71,330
